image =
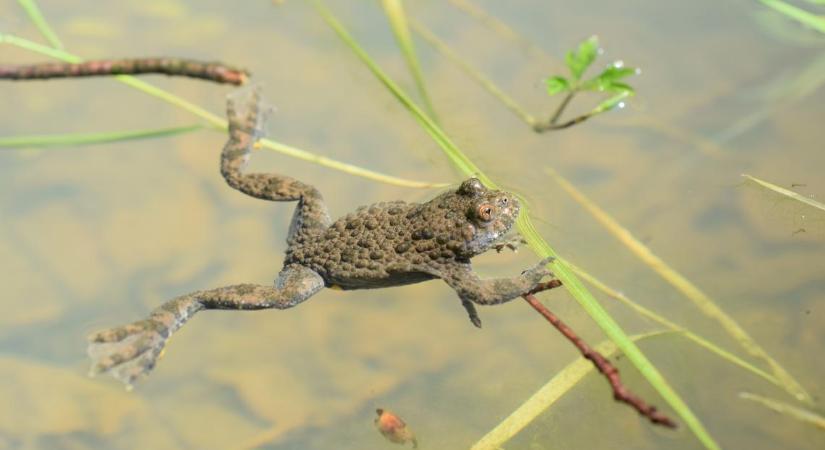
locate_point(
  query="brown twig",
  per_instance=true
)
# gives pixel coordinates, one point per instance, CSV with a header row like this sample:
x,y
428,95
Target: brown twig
x,y
541,127
620,392
547,285
553,122
211,71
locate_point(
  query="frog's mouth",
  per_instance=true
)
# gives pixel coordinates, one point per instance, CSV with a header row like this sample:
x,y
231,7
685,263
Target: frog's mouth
x,y
487,237
511,212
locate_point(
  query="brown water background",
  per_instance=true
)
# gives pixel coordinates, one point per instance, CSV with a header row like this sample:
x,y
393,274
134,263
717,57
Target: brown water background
x,y
94,236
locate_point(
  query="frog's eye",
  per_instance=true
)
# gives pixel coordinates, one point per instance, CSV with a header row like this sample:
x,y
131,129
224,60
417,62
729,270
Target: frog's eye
x,y
485,212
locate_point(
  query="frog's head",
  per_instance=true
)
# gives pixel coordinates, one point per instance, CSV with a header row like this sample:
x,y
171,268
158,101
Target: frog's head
x,y
490,215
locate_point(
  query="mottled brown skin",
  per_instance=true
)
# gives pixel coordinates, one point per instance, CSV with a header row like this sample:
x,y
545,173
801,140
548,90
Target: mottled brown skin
x,y
382,245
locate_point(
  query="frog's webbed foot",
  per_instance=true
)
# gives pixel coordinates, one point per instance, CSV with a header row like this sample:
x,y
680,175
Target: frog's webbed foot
x,y
472,290
247,113
127,352
538,271
511,243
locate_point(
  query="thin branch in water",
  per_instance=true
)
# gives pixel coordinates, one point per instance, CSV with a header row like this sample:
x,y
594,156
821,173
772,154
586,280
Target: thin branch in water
x,y
534,240
547,285
699,298
541,127
218,122
620,392
698,340
211,71
557,115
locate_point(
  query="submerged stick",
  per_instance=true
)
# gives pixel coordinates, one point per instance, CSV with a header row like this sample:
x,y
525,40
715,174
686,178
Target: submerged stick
x,y
620,392
211,71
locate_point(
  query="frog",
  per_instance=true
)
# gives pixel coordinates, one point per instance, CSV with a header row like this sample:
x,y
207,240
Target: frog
x,y
377,246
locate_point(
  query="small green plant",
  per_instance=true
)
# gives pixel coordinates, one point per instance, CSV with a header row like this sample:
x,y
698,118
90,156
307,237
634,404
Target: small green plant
x,y
608,81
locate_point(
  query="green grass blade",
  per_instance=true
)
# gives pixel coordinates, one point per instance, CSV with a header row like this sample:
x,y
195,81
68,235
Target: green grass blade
x,y
220,123
525,226
702,342
800,414
464,164
485,82
398,21
798,14
615,333
688,289
495,25
70,139
40,22
786,192
561,383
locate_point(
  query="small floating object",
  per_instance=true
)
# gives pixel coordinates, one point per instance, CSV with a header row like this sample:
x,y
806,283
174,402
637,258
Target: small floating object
x,y
393,428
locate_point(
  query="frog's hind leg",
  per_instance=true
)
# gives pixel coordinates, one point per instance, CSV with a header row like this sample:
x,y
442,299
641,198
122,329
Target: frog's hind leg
x,y
131,351
244,129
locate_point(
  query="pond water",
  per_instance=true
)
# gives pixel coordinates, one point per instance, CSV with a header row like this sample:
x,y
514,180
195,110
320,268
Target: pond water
x,y
95,236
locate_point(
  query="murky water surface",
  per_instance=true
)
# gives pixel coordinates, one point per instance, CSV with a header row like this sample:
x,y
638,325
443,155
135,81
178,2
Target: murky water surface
x,y
94,236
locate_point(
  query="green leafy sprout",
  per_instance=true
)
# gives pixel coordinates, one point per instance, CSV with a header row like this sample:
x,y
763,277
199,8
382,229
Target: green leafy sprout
x,y
610,81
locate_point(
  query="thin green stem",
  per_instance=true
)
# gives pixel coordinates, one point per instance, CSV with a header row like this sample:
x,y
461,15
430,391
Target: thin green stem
x,y
497,26
510,103
798,14
69,139
800,414
219,123
561,383
557,115
699,298
394,10
39,21
702,342
786,192
488,84
536,242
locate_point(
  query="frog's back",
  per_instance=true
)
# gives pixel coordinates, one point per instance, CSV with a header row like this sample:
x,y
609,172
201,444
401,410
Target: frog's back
x,y
363,249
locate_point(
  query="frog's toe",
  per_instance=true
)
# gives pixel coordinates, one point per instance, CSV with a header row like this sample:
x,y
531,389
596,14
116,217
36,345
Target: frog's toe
x,y
127,352
117,334
547,260
539,271
247,111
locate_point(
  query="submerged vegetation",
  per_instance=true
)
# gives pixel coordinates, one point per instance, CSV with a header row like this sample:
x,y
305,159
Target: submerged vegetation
x,y
608,81
751,357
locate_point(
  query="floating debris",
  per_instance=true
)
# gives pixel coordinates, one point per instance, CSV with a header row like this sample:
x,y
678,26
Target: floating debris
x,y
211,71
393,428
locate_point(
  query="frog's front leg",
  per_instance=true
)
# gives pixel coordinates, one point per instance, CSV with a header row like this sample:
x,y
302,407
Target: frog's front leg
x,y
131,351
474,290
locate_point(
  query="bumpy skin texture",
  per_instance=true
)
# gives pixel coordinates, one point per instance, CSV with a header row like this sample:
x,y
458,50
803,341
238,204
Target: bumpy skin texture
x,y
382,245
